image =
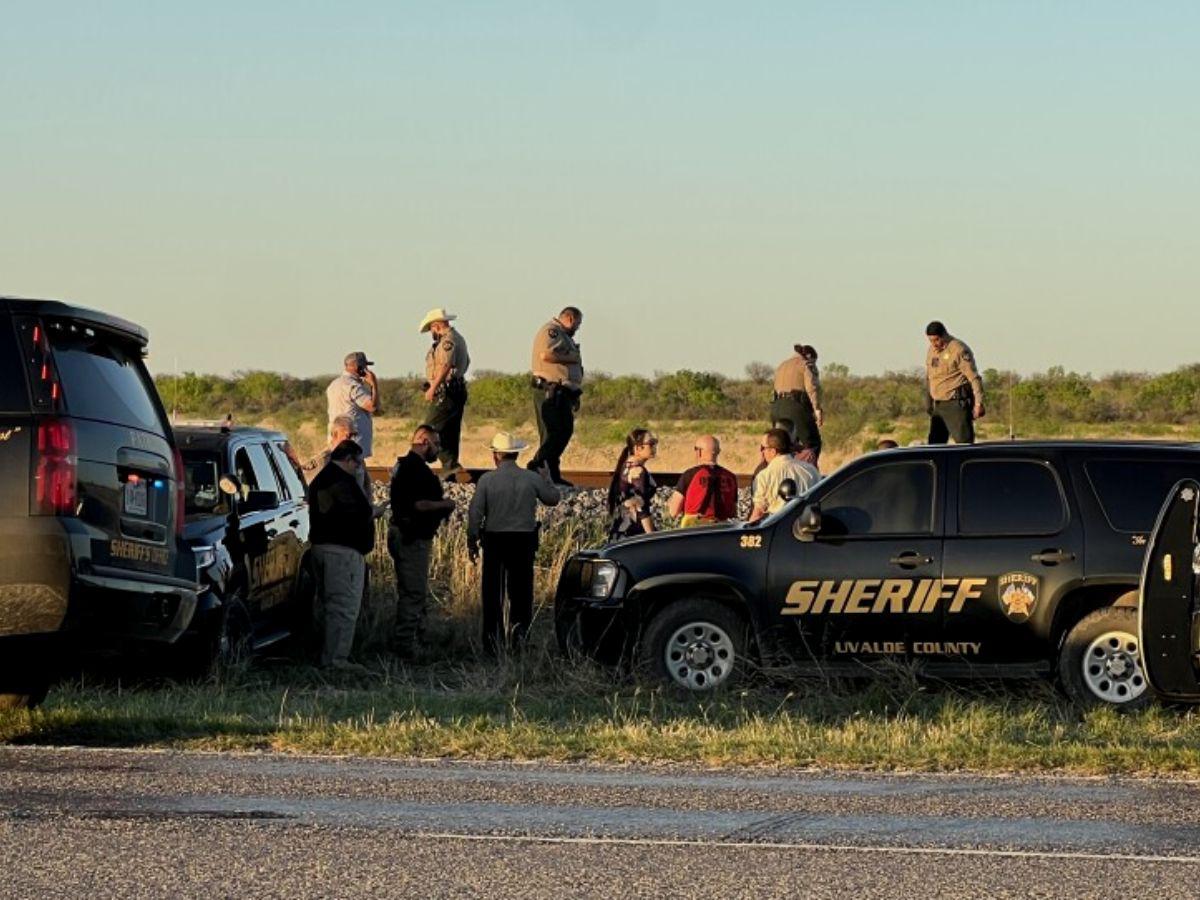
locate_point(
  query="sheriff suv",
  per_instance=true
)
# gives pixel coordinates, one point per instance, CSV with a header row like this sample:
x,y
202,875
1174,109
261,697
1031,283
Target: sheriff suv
x,y
1003,559
91,495
247,523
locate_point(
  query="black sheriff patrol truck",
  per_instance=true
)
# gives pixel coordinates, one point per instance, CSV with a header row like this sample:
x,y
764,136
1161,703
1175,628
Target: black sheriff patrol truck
x,y
1009,559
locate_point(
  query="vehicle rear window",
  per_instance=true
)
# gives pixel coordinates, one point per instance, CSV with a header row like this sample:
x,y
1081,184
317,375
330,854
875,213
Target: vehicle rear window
x,y
1009,497
13,397
1132,493
888,499
202,494
103,378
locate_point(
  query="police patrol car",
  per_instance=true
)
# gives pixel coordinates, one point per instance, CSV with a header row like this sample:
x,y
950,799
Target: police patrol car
x,y
1006,560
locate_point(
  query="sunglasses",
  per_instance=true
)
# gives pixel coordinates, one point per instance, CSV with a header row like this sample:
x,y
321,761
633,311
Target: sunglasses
x,y
653,442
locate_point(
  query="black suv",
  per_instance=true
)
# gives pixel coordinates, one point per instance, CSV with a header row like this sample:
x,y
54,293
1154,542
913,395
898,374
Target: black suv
x,y
1000,559
91,498
250,541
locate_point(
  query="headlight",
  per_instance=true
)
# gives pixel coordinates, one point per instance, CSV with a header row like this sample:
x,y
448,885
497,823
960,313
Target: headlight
x,y
604,579
205,557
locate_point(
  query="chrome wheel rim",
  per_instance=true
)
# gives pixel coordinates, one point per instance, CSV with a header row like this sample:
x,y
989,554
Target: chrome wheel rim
x,y
1112,667
700,656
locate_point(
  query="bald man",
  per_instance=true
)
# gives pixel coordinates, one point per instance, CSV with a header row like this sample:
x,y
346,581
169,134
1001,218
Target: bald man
x,y
706,494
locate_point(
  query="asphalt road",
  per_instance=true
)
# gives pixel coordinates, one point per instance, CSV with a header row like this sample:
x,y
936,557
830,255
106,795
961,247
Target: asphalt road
x,y
136,824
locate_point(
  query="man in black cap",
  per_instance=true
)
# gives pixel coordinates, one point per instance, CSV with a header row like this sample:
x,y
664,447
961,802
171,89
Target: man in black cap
x,y
342,533
954,394
355,393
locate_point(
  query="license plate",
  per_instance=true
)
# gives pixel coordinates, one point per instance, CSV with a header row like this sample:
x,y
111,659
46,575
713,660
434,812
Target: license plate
x,y
135,498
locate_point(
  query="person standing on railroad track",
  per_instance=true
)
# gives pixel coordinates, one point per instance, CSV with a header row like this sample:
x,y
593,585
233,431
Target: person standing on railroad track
x,y
503,519
796,403
445,386
355,393
954,390
557,377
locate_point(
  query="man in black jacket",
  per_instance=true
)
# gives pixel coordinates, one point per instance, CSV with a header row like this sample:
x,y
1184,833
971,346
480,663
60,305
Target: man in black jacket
x,y
418,508
342,534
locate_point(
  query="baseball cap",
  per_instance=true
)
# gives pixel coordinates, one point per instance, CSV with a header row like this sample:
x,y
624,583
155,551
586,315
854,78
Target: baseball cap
x,y
358,358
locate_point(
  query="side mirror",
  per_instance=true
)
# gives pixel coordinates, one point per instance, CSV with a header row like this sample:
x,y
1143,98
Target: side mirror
x,y
230,486
787,489
259,501
808,523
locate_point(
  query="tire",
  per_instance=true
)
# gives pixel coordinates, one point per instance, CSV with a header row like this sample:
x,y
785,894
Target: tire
x,y
695,644
1100,661
24,701
221,643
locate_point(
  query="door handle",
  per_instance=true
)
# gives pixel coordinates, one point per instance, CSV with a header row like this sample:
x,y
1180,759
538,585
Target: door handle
x,y
1052,557
910,559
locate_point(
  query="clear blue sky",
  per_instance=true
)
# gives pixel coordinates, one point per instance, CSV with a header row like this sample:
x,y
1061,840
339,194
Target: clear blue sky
x,y
269,185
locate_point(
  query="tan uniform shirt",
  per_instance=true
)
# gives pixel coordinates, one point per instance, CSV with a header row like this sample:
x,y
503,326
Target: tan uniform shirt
x,y
950,368
799,374
553,338
448,350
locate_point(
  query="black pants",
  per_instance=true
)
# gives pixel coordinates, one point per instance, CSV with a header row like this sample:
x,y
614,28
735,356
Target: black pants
x,y
797,416
445,416
950,419
556,423
507,563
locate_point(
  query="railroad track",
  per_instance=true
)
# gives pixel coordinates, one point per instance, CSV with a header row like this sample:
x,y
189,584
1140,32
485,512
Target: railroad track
x,y
577,477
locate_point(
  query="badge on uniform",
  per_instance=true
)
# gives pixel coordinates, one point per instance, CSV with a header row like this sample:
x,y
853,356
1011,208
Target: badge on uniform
x,y
553,334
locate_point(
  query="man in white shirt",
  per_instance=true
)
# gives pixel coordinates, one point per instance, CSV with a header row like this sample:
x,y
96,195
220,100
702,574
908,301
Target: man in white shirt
x,y
355,393
776,450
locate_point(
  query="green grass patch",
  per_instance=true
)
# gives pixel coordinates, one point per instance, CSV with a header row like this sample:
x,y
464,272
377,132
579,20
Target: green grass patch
x,y
546,710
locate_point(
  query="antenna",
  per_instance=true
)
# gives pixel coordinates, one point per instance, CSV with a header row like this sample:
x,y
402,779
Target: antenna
x,y
1012,434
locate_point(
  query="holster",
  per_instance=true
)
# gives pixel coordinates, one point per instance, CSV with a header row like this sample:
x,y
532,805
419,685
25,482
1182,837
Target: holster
x,y
964,396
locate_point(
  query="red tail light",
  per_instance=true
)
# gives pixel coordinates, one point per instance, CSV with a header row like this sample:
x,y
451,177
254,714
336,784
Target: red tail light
x,y
180,498
55,477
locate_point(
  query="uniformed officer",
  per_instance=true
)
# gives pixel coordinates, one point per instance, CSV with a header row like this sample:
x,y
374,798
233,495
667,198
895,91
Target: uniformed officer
x,y
445,386
954,395
557,370
503,518
796,405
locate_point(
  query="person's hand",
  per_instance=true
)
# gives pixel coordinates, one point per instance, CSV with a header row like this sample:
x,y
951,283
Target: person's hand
x,y
544,471
429,395
369,378
929,404
820,417
979,411
472,551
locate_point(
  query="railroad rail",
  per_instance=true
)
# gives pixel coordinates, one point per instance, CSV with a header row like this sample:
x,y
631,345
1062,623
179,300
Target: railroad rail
x,y
577,477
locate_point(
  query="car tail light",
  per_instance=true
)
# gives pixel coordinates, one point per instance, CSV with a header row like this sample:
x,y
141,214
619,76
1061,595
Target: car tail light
x,y
180,498
56,472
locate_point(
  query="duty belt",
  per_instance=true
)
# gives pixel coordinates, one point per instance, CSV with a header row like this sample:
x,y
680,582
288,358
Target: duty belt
x,y
785,395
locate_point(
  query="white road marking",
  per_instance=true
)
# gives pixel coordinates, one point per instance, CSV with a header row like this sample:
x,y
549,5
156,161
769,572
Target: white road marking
x,y
768,845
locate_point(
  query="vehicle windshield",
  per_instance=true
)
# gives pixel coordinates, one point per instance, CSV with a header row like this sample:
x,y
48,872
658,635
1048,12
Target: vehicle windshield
x,y
202,494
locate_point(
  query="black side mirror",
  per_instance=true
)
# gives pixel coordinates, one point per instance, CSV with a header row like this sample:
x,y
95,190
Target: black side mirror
x,y
808,523
259,501
787,489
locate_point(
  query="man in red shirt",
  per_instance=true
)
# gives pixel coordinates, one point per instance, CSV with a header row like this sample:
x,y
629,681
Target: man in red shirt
x,y
706,493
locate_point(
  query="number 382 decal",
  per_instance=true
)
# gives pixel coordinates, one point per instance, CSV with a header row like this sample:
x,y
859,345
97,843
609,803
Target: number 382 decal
x,y
751,541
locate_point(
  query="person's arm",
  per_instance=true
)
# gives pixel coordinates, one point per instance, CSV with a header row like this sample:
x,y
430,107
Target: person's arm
x,y
426,506
546,491
761,501
757,513
645,491
366,394
812,387
966,365
442,355
476,514
675,504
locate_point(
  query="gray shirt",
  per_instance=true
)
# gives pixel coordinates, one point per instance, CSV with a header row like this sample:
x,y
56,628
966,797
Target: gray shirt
x,y
506,500
343,397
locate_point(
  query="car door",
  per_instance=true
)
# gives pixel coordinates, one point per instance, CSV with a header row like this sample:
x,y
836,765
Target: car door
x,y
866,585
1168,616
291,538
1011,527
259,531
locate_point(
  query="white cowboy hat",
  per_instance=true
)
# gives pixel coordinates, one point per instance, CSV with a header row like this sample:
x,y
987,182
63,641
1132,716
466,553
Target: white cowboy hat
x,y
507,442
436,315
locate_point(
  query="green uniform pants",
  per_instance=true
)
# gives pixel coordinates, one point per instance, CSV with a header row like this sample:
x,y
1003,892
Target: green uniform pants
x,y
950,419
340,577
411,560
555,412
445,416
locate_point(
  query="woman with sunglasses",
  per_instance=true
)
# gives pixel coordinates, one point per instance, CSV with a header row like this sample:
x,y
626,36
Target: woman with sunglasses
x,y
632,488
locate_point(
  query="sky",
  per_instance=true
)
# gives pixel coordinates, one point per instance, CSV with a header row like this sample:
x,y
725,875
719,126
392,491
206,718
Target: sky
x,y
269,185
